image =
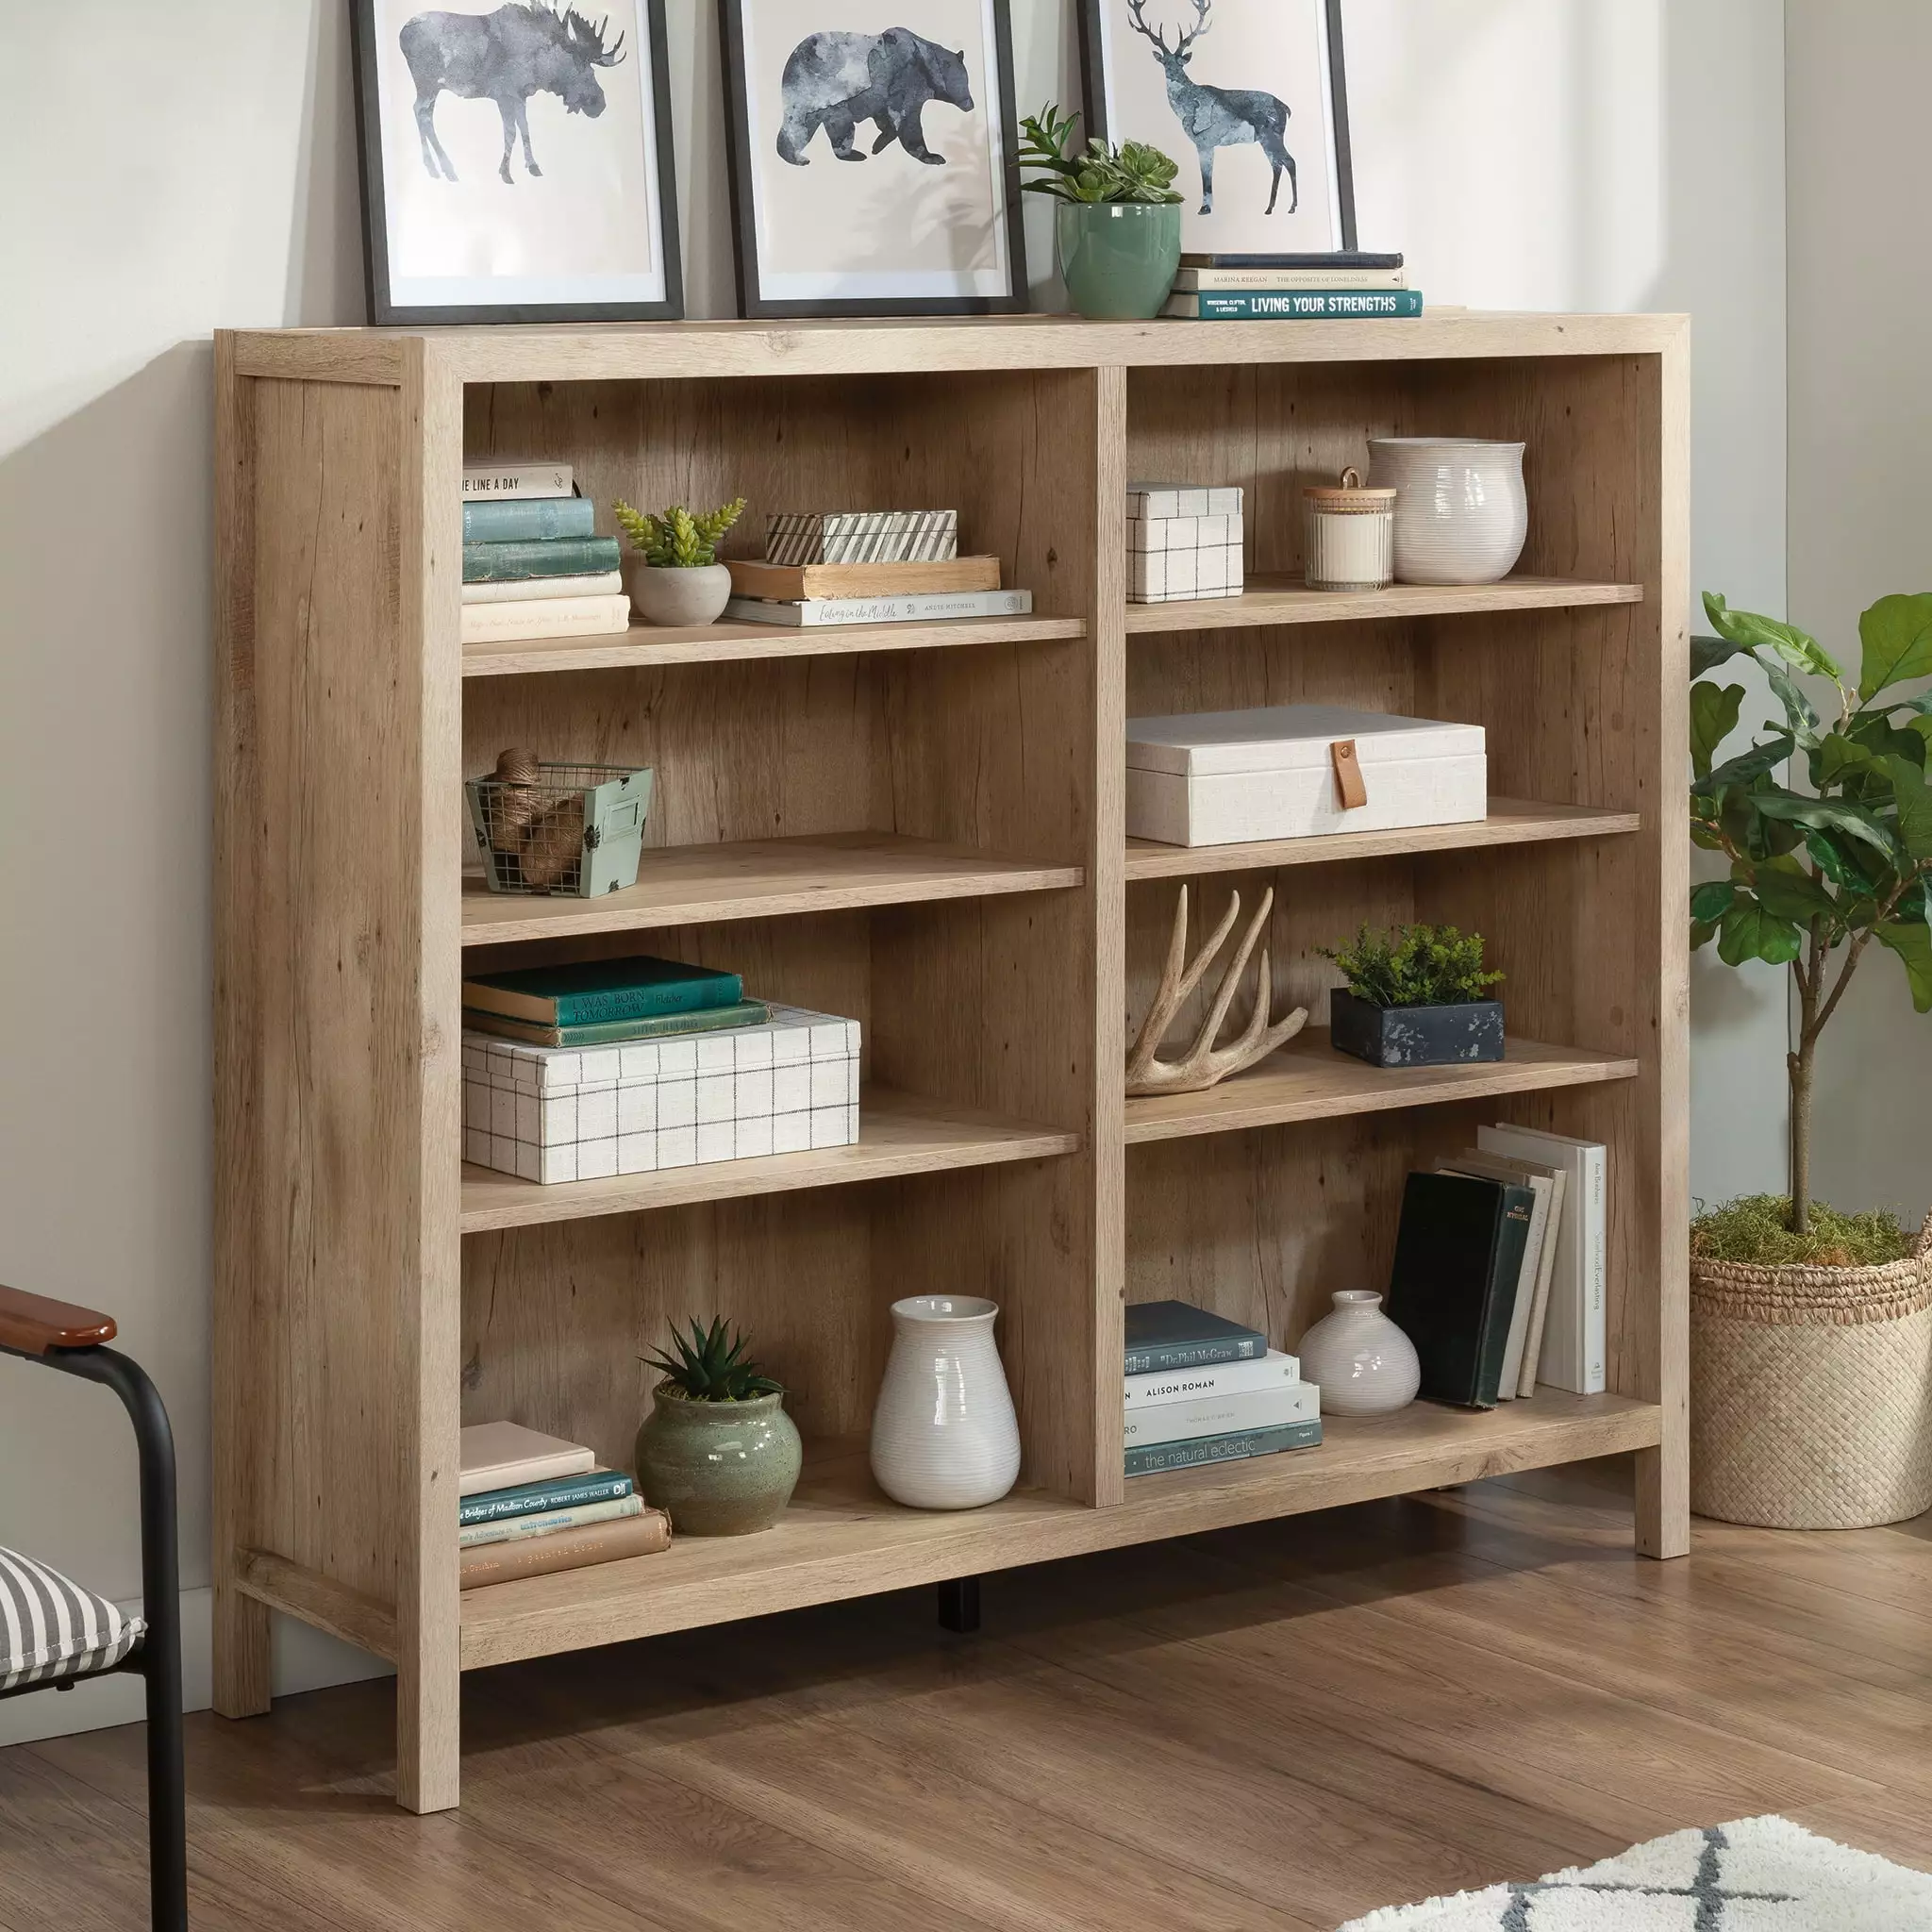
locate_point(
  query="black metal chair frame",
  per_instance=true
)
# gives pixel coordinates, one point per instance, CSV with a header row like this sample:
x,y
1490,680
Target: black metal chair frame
x,y
156,1654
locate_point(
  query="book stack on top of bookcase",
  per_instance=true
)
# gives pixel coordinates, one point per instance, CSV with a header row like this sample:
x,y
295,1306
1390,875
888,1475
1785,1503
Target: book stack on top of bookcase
x,y
1200,1389
1343,287
533,563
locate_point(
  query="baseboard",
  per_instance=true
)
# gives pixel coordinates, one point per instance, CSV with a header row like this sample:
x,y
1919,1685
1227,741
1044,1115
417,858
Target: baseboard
x,y
305,1659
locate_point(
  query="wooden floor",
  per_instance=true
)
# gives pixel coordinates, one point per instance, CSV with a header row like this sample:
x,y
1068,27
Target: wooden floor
x,y
1273,1728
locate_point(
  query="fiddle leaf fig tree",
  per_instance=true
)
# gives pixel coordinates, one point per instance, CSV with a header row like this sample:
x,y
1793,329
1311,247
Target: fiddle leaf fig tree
x,y
1816,876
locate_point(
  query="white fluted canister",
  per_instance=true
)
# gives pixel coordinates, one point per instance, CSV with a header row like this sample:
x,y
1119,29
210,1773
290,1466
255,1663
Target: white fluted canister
x,y
1349,536
1462,513
943,1433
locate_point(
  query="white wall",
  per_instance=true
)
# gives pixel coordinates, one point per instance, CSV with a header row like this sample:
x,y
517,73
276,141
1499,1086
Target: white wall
x,y
182,167
1861,486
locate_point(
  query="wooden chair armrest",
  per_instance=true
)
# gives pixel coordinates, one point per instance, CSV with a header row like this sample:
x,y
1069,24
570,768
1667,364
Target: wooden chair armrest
x,y
33,1325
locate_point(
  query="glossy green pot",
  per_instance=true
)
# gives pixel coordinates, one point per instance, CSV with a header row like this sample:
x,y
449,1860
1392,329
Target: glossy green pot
x,y
1119,257
720,1467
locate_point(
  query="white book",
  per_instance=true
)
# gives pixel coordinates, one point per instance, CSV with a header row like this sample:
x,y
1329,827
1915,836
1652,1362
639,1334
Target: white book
x,y
1574,1339
1493,1168
493,481
513,1529
922,607
544,617
501,1455
1267,280
602,583
1224,1415
1273,1371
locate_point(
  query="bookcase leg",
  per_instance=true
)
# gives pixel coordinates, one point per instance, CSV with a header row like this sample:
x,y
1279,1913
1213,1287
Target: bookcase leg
x,y
241,1653
1663,1499
428,1732
959,1603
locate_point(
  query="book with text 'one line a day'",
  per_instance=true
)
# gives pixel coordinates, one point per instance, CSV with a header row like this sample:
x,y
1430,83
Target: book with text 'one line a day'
x,y
1153,1457
1294,305
1274,1370
643,1535
586,991
1174,1335
527,519
512,478
540,557
1451,1290
502,1455
553,1492
511,1529
925,608
617,1032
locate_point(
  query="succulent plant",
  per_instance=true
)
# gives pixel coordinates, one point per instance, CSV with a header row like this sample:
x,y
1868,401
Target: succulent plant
x,y
709,1365
676,540
1134,171
1414,966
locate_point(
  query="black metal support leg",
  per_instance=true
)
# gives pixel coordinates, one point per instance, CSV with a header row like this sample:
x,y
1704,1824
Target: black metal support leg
x,y
960,1605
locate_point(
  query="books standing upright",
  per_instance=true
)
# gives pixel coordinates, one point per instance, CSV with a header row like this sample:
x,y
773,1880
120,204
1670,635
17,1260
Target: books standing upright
x,y
1573,1340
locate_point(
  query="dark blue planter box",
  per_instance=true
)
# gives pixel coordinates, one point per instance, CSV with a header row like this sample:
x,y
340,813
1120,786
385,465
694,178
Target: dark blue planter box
x,y
1416,1036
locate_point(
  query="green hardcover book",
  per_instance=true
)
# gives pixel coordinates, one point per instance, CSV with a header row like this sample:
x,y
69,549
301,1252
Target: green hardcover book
x,y
528,519
1458,1254
554,1492
1153,1457
1176,1335
559,557
590,990
1294,305
615,1032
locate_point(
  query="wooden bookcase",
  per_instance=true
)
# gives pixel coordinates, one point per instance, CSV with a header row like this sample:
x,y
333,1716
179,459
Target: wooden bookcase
x,y
919,826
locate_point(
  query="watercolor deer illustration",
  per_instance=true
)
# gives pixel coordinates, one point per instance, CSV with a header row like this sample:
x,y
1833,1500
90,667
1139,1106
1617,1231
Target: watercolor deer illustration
x,y
1217,117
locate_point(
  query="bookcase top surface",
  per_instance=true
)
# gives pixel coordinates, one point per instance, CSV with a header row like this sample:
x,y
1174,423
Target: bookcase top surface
x,y
613,351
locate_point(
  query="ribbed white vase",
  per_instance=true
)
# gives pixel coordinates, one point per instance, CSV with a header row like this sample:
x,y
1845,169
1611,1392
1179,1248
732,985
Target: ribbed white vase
x,y
1461,513
943,1433
1360,1361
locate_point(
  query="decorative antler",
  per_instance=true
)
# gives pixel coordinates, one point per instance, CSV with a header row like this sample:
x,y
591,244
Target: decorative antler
x,y
1204,1064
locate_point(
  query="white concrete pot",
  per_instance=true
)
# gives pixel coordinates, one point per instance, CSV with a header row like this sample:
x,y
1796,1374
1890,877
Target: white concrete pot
x,y
1461,513
944,1434
677,596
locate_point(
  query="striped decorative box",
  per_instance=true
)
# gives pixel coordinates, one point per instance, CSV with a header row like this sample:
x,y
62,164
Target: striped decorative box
x,y
549,1113
865,536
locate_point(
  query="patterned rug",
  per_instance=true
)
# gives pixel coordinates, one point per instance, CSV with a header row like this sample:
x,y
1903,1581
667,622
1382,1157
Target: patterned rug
x,y
1762,1874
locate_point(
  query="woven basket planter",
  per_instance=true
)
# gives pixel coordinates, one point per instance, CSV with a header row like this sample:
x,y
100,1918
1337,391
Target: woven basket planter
x,y
1812,1393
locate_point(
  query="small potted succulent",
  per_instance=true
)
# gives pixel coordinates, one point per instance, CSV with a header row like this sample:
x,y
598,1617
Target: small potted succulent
x,y
717,1450
673,572
1118,223
1416,997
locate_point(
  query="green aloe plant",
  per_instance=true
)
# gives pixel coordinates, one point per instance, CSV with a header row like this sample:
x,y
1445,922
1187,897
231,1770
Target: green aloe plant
x,y
710,1365
1816,876
677,539
1134,171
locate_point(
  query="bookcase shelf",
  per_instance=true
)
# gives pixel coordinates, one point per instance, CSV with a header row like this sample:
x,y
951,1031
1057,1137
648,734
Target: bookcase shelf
x,y
920,826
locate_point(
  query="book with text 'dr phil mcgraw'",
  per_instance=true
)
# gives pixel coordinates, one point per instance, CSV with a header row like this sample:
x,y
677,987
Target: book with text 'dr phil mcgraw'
x,y
929,607
1176,1335
498,1456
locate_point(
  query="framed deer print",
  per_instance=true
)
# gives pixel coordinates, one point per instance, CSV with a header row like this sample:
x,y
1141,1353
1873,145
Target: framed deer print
x,y
516,161
871,145
1247,96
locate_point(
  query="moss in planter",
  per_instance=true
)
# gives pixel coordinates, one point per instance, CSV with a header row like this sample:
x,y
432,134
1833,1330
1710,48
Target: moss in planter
x,y
1757,1229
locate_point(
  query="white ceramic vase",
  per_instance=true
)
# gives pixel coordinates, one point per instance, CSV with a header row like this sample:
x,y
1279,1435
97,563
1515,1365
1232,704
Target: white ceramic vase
x,y
1360,1361
1461,513
944,1434
676,596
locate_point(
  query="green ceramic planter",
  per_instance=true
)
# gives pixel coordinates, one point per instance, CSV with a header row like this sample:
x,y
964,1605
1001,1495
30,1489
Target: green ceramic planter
x,y
720,1467
1119,257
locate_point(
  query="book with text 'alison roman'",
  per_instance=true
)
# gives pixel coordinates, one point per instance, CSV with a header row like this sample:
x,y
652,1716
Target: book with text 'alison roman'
x,y
1224,1415
1274,1370
586,991
1174,1335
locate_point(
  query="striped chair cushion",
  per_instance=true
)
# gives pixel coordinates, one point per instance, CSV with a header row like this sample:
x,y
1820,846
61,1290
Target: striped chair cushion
x,y
51,1628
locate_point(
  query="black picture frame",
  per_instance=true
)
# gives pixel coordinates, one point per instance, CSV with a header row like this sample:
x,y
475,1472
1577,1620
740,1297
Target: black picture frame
x,y
1093,93
752,304
384,311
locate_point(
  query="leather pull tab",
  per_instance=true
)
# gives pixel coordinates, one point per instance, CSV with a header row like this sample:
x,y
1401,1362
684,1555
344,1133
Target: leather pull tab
x,y
1348,773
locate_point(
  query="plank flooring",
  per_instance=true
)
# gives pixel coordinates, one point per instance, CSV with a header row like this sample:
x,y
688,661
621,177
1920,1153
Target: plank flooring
x,y
1264,1729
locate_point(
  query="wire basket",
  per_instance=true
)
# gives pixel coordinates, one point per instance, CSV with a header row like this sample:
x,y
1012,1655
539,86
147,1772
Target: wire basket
x,y
565,830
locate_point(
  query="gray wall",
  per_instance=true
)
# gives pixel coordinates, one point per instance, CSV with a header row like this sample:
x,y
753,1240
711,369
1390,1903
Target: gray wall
x,y
182,167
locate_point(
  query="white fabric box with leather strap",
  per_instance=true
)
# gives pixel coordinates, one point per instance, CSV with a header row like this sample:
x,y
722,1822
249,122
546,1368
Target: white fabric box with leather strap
x,y
1298,772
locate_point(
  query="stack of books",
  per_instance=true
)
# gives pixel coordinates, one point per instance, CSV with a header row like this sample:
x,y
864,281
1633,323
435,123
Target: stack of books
x,y
606,1002
1200,1389
867,567
1275,287
533,564
530,1503
1500,1266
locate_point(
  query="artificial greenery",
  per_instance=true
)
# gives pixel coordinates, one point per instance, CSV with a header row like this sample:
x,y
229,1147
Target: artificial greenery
x,y
1759,1230
709,1365
676,540
1134,171
1836,866
1414,966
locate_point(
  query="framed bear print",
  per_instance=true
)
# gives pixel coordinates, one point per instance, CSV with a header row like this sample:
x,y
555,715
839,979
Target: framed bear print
x,y
871,147
1248,96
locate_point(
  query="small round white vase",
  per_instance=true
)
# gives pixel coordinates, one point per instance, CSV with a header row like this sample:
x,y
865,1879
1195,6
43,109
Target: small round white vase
x,y
943,1433
1360,1361
1461,513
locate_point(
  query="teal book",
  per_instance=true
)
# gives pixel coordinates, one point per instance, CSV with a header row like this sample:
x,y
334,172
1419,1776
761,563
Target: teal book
x,y
528,519
559,556
554,1492
1153,1457
1294,305
592,990
1458,1258
1174,1335
617,1032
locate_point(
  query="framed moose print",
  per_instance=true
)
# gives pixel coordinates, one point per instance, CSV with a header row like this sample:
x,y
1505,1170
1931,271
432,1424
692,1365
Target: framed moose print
x,y
1247,96
516,161
870,145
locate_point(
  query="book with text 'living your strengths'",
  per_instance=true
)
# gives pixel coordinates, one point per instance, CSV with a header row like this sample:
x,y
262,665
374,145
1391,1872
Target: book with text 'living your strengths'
x,y
554,1492
586,991
1174,1335
511,1529
508,477
1239,1414
1294,305
554,556
922,608
1274,1370
616,1032
1153,1457
527,519
1451,1290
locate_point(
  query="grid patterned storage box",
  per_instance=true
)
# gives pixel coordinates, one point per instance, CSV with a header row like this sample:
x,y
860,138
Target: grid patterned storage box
x,y
1183,541
550,1113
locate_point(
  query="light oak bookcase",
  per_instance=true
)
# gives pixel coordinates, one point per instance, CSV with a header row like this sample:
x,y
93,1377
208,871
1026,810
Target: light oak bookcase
x,y
920,826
